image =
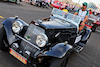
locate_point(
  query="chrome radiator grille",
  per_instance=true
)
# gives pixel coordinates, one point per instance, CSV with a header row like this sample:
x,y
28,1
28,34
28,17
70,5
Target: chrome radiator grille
x,y
30,36
32,33
27,47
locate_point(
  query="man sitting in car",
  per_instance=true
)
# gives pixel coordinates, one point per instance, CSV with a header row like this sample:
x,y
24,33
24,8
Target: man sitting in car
x,y
84,14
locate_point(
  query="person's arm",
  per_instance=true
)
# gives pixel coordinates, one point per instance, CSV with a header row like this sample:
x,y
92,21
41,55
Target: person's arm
x,y
86,18
46,19
76,13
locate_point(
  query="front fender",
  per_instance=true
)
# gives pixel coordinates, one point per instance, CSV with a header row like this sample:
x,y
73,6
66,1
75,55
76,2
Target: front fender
x,y
58,50
7,23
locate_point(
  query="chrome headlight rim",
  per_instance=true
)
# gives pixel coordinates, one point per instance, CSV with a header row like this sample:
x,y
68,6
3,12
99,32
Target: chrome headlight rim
x,y
43,40
17,26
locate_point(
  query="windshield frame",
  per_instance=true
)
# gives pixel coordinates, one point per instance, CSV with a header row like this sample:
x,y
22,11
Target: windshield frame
x,y
70,18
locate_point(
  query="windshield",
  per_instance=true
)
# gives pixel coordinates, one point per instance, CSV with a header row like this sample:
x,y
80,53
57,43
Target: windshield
x,y
68,17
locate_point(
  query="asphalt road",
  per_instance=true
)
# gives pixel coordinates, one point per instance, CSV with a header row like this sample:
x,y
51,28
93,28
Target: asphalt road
x,y
89,57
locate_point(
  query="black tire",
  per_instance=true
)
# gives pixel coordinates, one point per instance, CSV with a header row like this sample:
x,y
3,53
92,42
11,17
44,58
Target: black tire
x,y
60,62
3,40
94,28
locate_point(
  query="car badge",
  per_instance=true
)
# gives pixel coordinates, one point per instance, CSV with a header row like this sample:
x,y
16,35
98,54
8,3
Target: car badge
x,y
28,37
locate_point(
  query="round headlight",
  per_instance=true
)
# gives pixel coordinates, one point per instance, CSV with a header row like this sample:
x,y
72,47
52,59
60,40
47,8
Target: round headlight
x,y
17,26
41,40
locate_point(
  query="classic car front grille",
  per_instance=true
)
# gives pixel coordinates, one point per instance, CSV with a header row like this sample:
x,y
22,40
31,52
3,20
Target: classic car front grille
x,y
30,36
32,32
27,47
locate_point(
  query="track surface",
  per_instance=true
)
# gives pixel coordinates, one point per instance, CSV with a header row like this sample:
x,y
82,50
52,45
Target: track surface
x,y
89,57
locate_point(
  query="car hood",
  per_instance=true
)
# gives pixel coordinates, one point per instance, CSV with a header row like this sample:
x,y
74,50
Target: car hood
x,y
57,25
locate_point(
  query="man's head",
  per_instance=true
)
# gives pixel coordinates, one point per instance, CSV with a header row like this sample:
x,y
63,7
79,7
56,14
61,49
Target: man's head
x,y
84,6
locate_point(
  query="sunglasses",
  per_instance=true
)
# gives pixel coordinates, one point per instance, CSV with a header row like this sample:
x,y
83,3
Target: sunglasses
x,y
83,5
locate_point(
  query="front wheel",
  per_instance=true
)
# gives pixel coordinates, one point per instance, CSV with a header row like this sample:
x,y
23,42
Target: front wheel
x,y
60,62
3,40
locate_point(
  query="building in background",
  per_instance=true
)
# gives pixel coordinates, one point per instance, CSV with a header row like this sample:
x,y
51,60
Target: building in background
x,y
92,6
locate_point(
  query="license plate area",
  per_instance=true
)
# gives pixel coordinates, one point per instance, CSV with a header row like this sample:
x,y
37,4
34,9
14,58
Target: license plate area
x,y
18,56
